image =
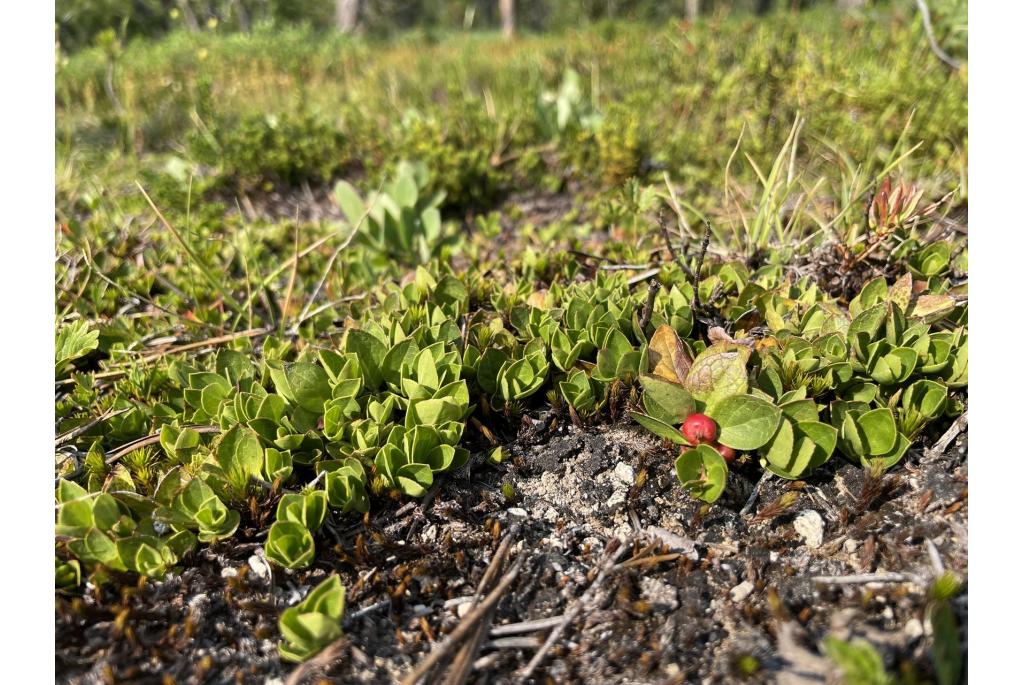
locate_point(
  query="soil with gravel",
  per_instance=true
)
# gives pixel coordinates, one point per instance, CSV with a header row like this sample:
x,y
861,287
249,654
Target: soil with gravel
x,y
701,594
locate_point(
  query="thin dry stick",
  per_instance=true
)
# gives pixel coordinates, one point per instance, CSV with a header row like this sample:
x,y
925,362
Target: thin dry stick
x,y
355,616
933,555
939,448
295,271
283,267
643,276
514,643
217,285
75,432
645,314
682,222
219,340
467,624
526,626
676,257
614,552
648,561
749,506
152,440
294,330
330,264
318,662
864,578
926,18
463,662
695,306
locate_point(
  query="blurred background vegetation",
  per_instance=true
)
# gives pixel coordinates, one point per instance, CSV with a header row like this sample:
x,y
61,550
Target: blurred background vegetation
x,y
748,108
80,22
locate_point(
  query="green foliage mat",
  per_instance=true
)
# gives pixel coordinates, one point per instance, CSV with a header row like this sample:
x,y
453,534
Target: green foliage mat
x,y
220,379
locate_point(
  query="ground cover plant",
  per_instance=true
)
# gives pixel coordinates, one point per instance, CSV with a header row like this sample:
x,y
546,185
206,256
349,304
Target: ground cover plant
x,y
377,361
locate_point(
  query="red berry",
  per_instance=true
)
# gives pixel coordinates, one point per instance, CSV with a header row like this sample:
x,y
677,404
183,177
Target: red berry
x,y
699,428
728,453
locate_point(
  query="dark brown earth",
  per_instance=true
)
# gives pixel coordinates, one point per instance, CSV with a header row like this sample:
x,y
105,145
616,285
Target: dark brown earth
x,y
716,588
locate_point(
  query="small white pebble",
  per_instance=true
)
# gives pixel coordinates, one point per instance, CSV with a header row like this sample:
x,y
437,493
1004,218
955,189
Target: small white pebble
x,y
228,572
741,591
625,473
259,566
850,546
913,629
518,512
810,526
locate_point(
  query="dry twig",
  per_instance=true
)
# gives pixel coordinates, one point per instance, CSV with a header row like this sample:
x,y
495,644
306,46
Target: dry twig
x,y
749,506
936,451
318,662
85,427
468,625
865,578
926,19
613,553
153,439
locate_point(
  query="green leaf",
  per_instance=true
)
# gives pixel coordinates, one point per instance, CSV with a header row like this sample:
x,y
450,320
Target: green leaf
x,y
290,544
892,457
745,422
74,340
860,663
308,510
779,451
703,472
659,428
349,201
800,410
433,412
414,479
314,623
718,372
946,653
371,353
927,397
865,327
877,428
310,386
346,487
674,403
96,548
74,515
240,450
932,260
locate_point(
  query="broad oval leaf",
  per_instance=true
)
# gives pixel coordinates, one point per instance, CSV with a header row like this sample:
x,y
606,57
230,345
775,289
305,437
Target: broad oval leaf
x,y
745,422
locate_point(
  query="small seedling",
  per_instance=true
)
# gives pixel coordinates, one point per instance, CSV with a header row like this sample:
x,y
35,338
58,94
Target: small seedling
x,y
314,623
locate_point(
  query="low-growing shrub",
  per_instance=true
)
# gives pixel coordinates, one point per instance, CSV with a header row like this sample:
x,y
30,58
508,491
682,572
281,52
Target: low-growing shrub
x,y
257,150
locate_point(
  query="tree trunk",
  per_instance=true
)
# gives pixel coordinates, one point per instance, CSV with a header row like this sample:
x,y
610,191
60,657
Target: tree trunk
x,y
508,17
346,14
188,16
241,15
847,5
763,6
692,10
